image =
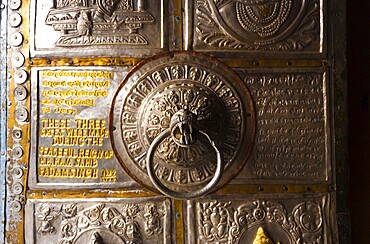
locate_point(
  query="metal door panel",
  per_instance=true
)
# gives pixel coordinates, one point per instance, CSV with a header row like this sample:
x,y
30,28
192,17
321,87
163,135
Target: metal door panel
x,y
292,141
257,29
91,29
137,220
56,151
62,80
284,218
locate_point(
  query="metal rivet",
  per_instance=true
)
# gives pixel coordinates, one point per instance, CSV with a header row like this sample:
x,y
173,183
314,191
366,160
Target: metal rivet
x,y
16,39
20,76
16,206
15,20
17,59
17,188
21,114
17,152
15,4
18,172
20,93
17,134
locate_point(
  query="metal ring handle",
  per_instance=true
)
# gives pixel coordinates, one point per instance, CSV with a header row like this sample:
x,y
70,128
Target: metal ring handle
x,y
166,191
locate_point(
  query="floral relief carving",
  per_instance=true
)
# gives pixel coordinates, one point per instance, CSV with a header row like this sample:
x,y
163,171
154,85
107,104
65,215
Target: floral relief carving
x,y
282,25
223,222
130,223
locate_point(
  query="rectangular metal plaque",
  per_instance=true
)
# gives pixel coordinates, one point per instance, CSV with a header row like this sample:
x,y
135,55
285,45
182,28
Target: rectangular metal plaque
x,y
292,141
226,27
281,218
90,28
140,220
70,135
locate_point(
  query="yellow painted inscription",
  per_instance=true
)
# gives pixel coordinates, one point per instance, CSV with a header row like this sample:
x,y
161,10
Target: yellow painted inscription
x,y
71,144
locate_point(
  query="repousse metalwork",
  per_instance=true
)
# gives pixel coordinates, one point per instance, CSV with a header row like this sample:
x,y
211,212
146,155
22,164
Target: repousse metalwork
x,y
283,104
110,221
275,25
156,90
70,130
131,27
292,219
292,135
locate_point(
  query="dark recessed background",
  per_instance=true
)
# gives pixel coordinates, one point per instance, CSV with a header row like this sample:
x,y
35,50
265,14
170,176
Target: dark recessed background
x,y
358,32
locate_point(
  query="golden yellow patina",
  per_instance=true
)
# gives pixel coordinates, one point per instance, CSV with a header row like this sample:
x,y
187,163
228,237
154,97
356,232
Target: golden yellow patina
x,y
261,237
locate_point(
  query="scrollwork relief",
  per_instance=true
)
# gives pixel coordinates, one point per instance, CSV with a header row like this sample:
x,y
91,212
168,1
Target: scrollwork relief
x,y
192,88
223,222
99,22
273,25
130,223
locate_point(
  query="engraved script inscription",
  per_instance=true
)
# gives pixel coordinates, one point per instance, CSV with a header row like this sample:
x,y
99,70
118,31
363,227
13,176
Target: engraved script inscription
x,y
99,22
291,126
71,132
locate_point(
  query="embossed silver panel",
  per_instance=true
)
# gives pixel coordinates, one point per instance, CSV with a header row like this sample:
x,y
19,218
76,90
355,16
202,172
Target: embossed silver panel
x,y
69,136
157,90
273,26
133,28
98,221
292,134
284,218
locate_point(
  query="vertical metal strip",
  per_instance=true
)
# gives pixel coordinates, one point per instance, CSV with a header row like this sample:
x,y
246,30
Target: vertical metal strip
x,y
179,221
3,115
178,24
340,111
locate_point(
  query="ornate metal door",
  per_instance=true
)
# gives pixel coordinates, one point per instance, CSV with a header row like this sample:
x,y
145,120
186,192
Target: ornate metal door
x,y
174,121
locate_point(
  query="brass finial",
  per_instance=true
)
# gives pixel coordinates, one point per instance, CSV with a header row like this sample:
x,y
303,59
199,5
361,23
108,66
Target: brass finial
x,y
261,237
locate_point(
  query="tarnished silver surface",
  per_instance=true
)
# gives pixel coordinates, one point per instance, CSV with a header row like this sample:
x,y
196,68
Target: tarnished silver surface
x,y
283,26
133,28
69,137
86,221
285,218
292,132
160,87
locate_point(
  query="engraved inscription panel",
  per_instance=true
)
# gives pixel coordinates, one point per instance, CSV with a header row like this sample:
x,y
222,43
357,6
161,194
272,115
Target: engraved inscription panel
x,y
106,221
271,25
105,27
292,133
279,218
70,135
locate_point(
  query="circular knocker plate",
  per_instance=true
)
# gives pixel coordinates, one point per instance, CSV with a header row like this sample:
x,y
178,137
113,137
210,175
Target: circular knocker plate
x,y
182,124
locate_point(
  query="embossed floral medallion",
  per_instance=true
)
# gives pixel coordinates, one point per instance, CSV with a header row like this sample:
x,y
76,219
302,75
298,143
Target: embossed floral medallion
x,y
261,25
159,88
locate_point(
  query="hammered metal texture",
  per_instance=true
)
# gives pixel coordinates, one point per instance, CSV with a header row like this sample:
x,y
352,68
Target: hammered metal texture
x,y
134,28
292,133
274,27
107,221
69,134
285,218
158,88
